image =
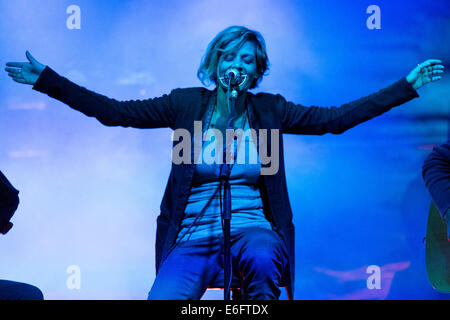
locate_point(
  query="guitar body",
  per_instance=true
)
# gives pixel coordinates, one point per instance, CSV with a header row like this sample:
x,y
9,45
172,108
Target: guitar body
x,y
437,251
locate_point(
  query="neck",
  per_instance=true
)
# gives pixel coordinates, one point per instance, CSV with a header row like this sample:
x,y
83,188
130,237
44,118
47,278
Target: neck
x,y
222,104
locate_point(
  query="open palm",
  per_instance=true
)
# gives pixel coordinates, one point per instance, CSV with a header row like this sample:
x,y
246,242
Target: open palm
x,y
425,72
25,72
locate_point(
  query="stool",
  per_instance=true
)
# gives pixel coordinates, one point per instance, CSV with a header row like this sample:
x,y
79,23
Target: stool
x,y
235,288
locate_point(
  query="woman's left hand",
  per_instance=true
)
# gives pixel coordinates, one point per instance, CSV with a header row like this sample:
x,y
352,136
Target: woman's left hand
x,y
427,71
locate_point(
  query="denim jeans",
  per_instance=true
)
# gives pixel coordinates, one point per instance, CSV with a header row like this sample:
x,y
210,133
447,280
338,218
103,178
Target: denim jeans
x,y
259,259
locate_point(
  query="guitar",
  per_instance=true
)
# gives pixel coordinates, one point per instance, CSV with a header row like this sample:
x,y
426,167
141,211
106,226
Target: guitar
x,y
437,251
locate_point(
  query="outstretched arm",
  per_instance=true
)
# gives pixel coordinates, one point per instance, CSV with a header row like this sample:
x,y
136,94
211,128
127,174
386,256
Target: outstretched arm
x,y
299,119
150,113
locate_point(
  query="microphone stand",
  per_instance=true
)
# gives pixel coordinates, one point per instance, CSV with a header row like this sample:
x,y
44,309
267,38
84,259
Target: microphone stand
x,y
224,178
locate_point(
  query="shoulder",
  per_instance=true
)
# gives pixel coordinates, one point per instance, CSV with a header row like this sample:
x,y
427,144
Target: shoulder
x,y
263,96
192,99
268,102
266,98
191,92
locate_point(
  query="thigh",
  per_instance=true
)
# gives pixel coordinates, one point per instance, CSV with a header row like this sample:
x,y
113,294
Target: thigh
x,y
259,253
186,272
260,257
258,243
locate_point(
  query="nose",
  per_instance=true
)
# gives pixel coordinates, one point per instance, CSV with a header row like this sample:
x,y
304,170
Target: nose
x,y
237,63
239,67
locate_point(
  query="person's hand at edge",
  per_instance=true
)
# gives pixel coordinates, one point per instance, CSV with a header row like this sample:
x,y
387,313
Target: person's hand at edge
x,y
25,72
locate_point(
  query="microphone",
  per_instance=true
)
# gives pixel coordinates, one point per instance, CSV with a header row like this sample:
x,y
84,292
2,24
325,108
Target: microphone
x,y
233,75
234,78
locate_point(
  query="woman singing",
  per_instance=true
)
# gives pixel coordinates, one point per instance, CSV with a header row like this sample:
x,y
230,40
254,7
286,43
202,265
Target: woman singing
x,y
189,237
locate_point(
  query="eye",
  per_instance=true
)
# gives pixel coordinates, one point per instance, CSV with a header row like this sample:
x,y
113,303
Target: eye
x,y
228,57
248,60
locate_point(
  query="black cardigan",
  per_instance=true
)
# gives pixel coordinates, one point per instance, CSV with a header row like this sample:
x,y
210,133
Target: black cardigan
x,y
182,107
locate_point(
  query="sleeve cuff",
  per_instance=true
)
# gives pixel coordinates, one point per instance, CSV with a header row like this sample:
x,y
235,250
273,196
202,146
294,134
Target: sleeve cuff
x,y
47,76
408,88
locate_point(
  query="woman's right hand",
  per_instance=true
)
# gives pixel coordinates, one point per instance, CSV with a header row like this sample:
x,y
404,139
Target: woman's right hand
x,y
25,72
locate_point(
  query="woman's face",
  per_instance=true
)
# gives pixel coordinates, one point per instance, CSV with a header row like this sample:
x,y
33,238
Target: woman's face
x,y
243,59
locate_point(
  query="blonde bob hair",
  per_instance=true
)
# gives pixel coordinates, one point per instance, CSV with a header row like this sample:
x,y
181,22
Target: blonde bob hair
x,y
230,39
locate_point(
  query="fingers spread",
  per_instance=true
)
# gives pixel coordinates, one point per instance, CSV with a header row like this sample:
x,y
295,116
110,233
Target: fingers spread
x,y
430,62
431,69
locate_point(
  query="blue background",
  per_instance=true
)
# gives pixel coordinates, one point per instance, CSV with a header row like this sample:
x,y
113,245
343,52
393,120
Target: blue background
x,y
90,194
